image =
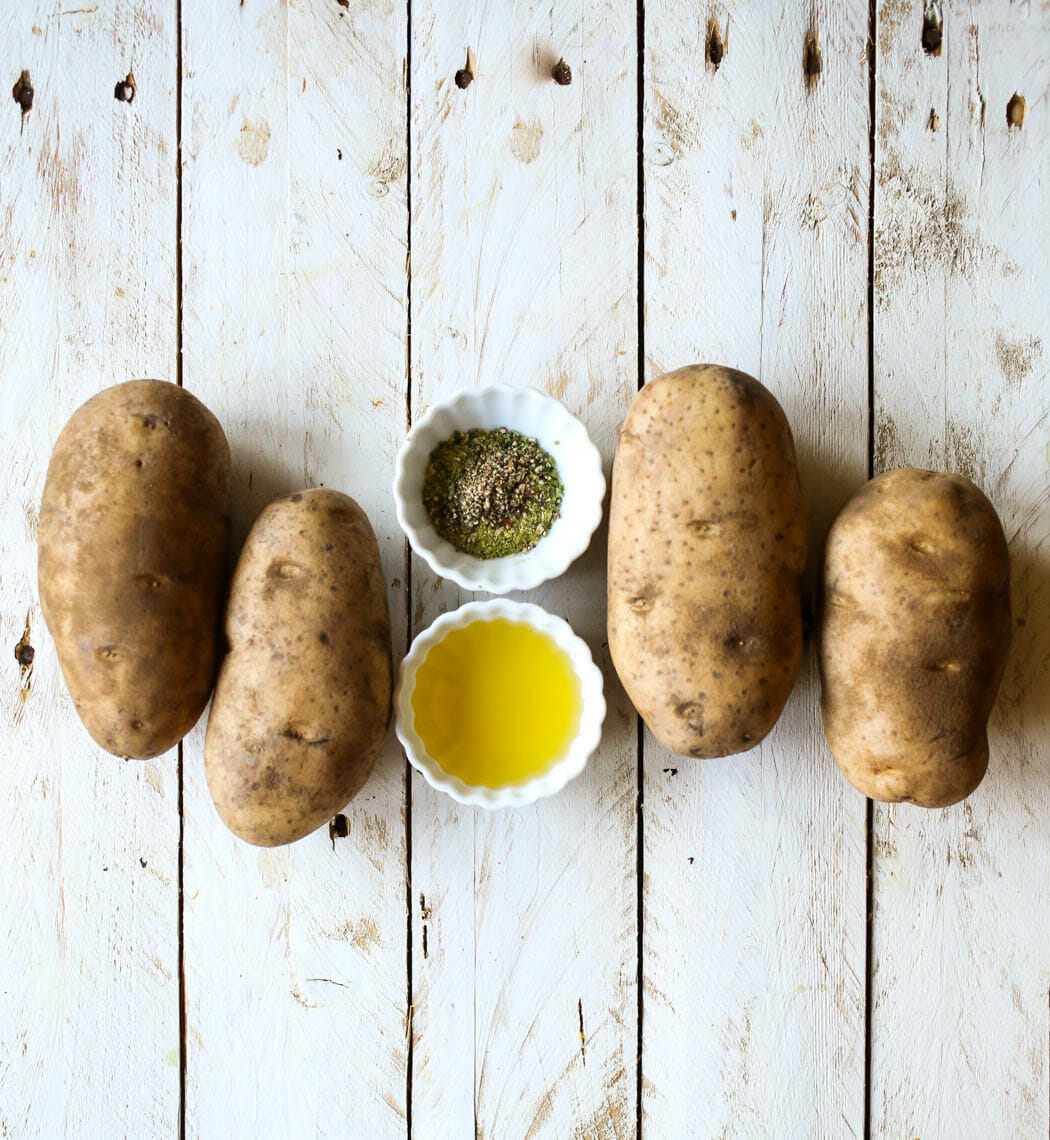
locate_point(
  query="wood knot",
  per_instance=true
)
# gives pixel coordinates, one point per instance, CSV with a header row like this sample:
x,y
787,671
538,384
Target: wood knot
x,y
25,655
1015,111
812,60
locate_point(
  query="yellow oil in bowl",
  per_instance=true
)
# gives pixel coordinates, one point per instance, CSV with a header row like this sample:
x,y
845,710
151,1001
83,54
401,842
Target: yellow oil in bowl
x,y
496,703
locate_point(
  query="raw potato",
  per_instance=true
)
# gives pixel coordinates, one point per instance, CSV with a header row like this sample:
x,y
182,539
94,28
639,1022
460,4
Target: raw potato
x,y
706,546
303,698
914,636
134,530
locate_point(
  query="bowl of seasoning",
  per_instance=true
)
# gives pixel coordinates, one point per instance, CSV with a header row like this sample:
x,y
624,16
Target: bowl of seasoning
x,y
499,703
499,488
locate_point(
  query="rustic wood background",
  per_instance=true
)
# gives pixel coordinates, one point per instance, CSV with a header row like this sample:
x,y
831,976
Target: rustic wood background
x,y
300,217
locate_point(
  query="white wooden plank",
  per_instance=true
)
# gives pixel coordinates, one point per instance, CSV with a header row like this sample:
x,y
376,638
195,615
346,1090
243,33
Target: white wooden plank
x,y
89,1026
962,337
756,192
524,245
295,230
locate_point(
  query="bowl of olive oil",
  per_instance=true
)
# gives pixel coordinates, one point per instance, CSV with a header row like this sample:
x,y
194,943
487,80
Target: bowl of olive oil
x,y
499,703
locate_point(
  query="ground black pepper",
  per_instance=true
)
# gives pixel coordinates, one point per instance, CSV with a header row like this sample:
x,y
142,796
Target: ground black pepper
x,y
491,493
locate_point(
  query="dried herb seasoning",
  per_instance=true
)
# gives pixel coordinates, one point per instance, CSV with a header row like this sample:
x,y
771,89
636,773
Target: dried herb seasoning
x,y
491,493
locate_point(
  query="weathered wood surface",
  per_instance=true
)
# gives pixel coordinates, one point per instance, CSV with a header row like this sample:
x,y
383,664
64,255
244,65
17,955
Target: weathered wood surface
x,y
89,994
487,984
524,254
962,335
756,244
294,285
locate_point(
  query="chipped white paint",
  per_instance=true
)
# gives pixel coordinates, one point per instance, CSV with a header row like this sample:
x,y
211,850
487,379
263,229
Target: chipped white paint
x,y
295,281
962,382
294,246
524,250
89,1025
756,255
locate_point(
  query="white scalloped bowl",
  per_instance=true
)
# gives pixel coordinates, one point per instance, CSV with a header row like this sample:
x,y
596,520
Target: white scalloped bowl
x,y
592,705
558,432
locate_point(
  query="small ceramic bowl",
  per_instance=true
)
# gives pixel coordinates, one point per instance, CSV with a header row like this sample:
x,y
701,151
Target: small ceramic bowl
x,y
592,705
558,432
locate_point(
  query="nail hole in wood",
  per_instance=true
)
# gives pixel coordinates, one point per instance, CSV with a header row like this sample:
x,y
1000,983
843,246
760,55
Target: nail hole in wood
x,y
932,32
466,75
22,93
716,48
124,91
338,828
1015,110
812,60
561,73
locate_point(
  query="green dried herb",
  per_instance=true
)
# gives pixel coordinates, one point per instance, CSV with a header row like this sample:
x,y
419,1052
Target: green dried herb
x,y
491,493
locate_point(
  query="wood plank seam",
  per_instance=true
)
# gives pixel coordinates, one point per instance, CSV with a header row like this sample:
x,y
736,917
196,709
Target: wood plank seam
x,y
180,770
869,812
639,807
409,900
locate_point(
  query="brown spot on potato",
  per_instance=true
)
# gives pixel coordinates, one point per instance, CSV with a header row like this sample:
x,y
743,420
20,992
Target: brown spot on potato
x,y
149,422
284,568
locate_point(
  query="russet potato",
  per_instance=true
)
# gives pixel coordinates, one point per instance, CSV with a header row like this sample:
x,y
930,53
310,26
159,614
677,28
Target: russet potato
x,y
914,635
706,546
134,531
303,697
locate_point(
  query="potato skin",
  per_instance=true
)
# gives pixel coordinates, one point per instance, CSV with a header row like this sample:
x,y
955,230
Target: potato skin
x,y
706,546
133,556
914,635
302,703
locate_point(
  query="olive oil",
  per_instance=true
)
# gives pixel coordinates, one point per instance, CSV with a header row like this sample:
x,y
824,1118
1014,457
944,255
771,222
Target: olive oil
x,y
496,703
